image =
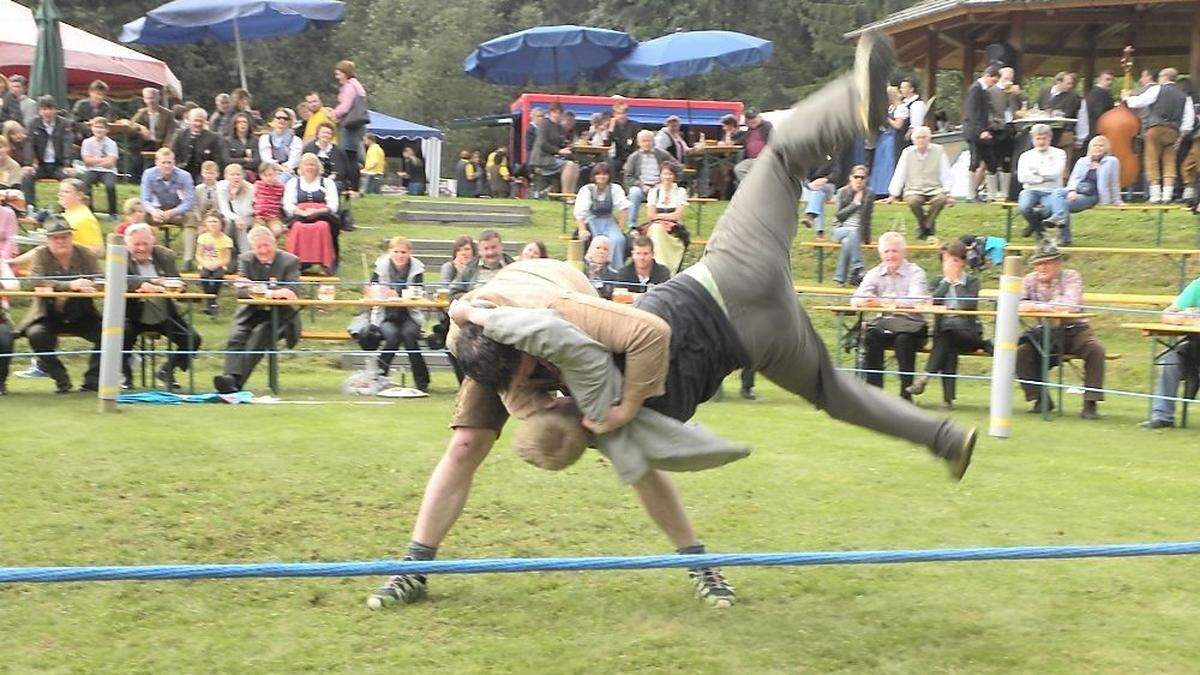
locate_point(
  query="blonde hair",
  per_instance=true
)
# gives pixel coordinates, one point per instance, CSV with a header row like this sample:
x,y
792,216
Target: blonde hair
x,y
1100,140
309,158
132,204
399,240
551,439
164,152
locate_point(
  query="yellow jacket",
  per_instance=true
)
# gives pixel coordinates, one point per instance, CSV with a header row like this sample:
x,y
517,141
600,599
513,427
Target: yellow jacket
x,y
491,162
375,164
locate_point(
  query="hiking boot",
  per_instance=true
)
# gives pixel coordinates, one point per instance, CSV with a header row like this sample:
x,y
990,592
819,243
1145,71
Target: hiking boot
x,y
918,386
402,589
712,588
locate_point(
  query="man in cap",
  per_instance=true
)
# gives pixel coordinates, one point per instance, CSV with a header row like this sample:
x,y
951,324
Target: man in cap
x,y
1051,288
64,266
670,139
735,309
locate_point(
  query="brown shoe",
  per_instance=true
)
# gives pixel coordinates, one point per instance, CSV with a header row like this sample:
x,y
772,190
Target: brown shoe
x,y
808,221
918,386
958,462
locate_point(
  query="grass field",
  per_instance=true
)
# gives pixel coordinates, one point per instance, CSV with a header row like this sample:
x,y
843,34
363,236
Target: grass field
x,y
339,479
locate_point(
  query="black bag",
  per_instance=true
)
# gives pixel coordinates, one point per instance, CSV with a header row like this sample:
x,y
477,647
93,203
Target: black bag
x,y
900,323
357,115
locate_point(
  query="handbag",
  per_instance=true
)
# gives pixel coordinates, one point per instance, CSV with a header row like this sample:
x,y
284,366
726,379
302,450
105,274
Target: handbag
x,y
900,323
357,116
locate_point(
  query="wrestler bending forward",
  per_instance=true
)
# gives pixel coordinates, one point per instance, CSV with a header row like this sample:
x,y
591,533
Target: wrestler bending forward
x,y
736,308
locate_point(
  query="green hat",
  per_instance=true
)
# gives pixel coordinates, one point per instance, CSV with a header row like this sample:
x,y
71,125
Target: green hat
x,y
1045,250
56,225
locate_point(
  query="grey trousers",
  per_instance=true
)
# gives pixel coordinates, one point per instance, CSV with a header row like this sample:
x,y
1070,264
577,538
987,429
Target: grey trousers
x,y
748,255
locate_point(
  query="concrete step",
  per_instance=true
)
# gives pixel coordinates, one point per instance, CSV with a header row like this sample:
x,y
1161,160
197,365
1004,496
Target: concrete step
x,y
463,205
463,217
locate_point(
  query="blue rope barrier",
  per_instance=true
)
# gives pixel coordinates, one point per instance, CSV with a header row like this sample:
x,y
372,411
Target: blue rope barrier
x,y
510,565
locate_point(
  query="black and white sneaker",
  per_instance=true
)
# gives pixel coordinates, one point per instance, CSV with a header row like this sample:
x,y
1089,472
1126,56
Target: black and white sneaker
x,y
402,589
712,588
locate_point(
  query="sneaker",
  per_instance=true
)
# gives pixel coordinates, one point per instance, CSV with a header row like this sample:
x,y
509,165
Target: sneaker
x,y
32,372
748,394
402,589
712,588
1156,424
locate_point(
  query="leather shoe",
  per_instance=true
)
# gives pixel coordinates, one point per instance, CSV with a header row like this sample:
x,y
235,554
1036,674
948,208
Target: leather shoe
x,y
225,384
1089,411
748,394
1156,424
1037,408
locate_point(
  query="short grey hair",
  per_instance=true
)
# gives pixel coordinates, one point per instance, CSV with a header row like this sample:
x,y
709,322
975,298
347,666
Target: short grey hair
x,y
260,232
922,129
221,98
889,237
1039,129
645,133
198,112
136,228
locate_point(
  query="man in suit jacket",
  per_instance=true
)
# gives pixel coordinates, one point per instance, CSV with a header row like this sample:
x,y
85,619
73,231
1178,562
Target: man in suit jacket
x,y
251,330
195,144
51,141
63,265
976,129
155,127
152,270
1098,101
642,271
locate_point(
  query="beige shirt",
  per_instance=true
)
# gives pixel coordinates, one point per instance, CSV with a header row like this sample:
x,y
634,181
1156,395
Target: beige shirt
x,y
642,337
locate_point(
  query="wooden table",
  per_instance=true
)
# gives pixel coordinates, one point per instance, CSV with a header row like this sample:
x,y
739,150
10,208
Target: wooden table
x,y
1045,350
189,300
591,151
274,305
708,157
1164,337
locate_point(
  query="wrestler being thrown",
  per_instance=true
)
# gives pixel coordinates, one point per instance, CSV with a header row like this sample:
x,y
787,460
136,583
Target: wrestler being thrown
x,y
735,308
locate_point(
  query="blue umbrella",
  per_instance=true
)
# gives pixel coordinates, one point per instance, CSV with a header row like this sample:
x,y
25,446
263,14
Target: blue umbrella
x,y
189,21
547,55
691,53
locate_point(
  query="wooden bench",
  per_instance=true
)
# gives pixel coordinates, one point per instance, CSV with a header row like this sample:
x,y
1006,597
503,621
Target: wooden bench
x,y
1159,211
1121,299
325,335
1185,254
567,199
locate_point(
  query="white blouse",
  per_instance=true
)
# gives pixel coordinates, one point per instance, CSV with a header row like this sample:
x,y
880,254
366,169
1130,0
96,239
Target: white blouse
x,y
675,198
325,184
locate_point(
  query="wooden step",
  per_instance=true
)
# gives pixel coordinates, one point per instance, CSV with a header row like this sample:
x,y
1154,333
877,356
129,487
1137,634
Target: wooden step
x,y
463,217
461,205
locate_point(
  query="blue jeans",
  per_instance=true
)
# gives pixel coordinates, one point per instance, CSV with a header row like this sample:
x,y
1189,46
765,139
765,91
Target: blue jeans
x,y
814,204
1035,203
1170,373
371,183
636,196
416,187
607,226
1080,203
850,257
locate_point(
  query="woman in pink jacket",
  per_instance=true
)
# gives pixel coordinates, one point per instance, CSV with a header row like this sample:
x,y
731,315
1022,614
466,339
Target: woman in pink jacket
x,y
351,115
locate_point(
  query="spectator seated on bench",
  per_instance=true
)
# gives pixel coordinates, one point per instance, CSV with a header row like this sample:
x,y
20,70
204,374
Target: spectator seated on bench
x,y
894,283
1175,362
922,177
602,210
551,151
1040,170
855,205
642,170
953,334
388,327
481,269
52,145
311,204
1050,288
1094,180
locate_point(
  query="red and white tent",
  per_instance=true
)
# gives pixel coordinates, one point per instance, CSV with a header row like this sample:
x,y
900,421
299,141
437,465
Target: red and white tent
x,y
87,57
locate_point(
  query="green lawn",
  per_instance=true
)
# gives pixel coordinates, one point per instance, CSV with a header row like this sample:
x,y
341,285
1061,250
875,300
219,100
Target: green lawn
x,y
341,479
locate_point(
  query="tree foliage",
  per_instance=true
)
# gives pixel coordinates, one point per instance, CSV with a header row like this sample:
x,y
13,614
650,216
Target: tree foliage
x,y
410,53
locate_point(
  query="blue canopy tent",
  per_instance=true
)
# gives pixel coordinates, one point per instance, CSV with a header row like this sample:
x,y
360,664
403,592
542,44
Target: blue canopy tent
x,y
190,21
386,128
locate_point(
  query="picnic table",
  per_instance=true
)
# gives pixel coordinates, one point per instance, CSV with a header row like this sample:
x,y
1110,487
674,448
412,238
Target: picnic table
x,y
275,304
1163,338
708,157
188,300
1046,319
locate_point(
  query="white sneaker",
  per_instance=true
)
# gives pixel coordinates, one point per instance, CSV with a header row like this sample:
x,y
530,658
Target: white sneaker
x,y
1155,194
1189,193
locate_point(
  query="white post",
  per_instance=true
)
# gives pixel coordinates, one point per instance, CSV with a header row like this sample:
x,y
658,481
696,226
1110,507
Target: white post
x,y
1004,359
237,46
112,334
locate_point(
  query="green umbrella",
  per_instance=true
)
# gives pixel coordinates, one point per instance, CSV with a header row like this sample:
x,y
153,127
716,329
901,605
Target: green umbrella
x,y
49,74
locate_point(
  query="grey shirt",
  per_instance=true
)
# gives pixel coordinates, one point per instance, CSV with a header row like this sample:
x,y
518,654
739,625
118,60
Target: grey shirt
x,y
651,440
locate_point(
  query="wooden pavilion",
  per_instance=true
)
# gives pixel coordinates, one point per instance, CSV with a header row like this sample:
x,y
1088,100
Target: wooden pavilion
x,y
1048,36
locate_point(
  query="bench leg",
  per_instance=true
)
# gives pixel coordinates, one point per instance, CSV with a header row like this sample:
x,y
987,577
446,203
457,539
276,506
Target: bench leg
x,y
1159,235
820,264
1044,397
1008,224
273,354
564,215
699,218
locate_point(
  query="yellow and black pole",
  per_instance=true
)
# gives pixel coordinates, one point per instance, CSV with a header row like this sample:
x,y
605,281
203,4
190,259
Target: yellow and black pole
x,y
112,334
1004,360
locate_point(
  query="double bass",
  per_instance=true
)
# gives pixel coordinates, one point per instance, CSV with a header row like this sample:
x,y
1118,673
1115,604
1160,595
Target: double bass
x,y
1121,127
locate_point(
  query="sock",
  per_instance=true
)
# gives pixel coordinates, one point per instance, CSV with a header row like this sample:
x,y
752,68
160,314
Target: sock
x,y
419,551
694,549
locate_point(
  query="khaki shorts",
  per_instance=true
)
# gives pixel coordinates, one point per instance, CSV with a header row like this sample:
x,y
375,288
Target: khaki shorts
x,y
478,407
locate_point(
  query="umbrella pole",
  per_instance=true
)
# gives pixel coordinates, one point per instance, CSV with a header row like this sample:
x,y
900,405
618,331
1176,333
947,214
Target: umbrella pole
x,y
237,43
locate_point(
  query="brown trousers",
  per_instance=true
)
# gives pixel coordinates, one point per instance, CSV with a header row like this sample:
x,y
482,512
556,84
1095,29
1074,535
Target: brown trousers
x,y
1191,163
1159,155
1077,340
926,210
